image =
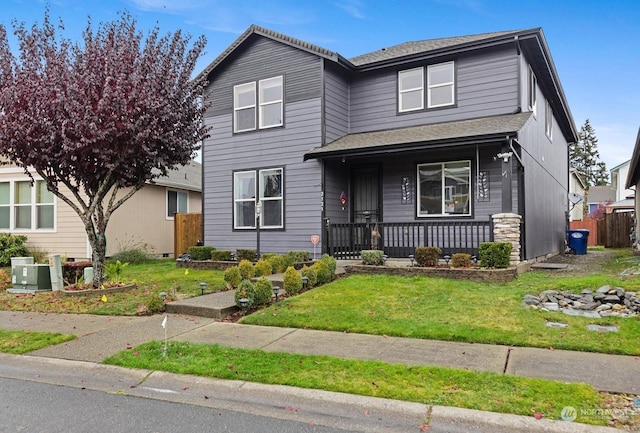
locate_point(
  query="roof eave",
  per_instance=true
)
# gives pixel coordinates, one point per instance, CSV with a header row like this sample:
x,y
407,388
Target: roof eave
x,y
634,170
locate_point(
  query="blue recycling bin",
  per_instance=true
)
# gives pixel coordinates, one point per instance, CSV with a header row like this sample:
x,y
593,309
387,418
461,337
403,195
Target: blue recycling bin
x,y
577,240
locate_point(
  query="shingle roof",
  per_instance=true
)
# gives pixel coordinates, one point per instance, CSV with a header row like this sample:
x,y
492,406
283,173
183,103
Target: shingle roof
x,y
187,177
410,48
601,194
463,129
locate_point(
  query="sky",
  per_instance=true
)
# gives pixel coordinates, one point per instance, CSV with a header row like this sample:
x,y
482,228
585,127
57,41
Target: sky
x,y
594,44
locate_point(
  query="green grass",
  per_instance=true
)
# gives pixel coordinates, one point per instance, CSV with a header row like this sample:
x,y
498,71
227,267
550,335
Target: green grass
x,y
19,342
429,385
152,278
441,309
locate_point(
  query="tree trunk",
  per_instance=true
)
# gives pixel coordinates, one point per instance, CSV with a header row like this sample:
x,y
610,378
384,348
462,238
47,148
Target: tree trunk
x,y
97,239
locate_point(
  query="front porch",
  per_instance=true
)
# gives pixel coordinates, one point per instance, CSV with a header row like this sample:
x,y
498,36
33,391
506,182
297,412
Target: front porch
x,y
400,239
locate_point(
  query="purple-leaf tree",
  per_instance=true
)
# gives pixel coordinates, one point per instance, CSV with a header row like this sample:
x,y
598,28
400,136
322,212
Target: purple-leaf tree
x,y
98,118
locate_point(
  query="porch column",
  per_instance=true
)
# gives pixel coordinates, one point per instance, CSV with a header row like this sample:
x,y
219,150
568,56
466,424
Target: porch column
x,y
507,184
506,228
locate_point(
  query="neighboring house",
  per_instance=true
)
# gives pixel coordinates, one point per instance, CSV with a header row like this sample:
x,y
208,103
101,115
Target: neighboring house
x,y
619,175
420,142
633,181
52,226
600,195
576,191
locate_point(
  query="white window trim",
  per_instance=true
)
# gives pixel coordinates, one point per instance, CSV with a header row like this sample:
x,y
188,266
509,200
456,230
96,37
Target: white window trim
x,y
548,121
166,202
451,84
236,107
257,184
402,91
532,86
444,187
265,104
33,205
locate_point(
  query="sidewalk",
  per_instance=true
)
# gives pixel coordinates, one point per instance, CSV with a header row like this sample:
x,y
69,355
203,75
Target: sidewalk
x,y
103,336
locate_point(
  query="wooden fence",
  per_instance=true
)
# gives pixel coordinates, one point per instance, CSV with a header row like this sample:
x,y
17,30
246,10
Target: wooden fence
x,y
611,232
187,231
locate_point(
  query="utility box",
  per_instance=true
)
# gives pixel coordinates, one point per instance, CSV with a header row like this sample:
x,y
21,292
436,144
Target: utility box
x,y
21,261
31,277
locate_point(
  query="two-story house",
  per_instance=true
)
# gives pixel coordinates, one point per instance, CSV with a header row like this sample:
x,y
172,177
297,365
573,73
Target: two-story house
x,y
414,144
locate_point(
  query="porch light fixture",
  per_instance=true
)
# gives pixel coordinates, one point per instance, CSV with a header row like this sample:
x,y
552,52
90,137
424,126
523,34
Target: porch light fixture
x,y
504,156
305,282
203,286
276,289
412,258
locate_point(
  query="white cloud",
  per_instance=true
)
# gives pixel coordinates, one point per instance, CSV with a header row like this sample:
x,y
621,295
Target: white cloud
x,y
355,8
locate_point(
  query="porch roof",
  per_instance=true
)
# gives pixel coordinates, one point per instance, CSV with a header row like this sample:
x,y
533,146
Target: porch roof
x,y
415,137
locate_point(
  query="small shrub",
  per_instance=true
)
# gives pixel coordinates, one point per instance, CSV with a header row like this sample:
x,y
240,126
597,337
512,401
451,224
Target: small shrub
x,y
200,252
114,270
232,277
372,257
245,289
262,267
12,246
277,264
5,280
331,264
155,304
246,269
322,271
250,255
264,291
72,272
494,254
39,255
427,256
133,255
298,256
311,274
461,260
292,281
221,255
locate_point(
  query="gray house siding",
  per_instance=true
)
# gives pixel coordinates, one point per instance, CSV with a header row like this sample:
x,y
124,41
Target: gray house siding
x,y
487,85
264,58
269,149
225,152
336,105
546,184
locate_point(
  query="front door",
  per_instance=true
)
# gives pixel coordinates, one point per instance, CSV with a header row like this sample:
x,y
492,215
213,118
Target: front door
x,y
366,205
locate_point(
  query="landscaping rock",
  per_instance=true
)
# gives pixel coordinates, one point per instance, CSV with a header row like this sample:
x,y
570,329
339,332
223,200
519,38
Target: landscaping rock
x,y
605,301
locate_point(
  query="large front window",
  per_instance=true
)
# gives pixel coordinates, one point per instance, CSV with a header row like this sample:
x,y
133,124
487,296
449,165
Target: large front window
x,y
258,104
258,186
444,189
26,207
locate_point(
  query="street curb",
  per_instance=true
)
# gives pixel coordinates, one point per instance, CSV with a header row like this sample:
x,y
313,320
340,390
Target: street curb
x,y
362,413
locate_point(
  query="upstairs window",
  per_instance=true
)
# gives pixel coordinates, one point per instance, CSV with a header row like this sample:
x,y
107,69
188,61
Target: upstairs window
x,y
411,90
444,189
440,87
177,202
548,120
258,105
441,83
532,92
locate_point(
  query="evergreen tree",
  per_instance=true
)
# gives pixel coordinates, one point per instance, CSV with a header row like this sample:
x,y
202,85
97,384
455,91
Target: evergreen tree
x,y
584,157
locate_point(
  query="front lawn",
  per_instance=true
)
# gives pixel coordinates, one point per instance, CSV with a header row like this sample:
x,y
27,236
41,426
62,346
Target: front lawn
x,y
20,342
429,385
441,309
153,277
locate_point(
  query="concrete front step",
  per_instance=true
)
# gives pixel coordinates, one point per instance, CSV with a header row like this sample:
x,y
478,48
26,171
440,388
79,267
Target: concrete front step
x,y
215,305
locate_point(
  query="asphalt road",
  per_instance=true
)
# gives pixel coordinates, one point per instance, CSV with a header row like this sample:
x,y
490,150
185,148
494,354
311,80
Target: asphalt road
x,y
39,407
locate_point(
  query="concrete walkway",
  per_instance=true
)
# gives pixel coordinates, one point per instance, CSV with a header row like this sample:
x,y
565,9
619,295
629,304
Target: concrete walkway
x,y
102,336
